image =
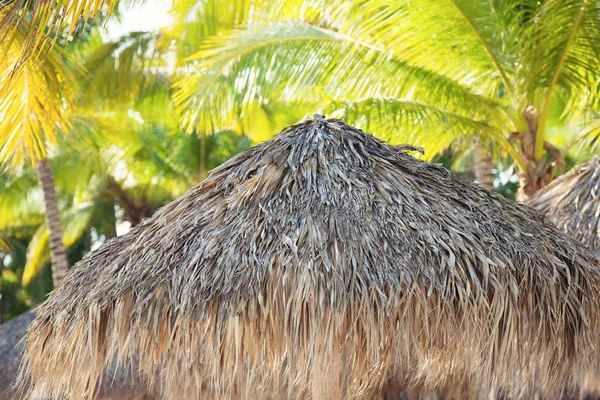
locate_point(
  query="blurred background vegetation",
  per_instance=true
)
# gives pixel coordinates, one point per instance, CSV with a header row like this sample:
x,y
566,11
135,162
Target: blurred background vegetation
x,y
101,123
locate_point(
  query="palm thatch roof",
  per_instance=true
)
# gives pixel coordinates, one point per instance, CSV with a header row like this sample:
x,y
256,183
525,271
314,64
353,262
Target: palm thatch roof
x,y
117,384
11,332
572,202
320,264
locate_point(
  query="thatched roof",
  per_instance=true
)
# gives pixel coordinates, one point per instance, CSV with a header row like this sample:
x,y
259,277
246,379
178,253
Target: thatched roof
x,y
321,263
11,333
572,202
117,384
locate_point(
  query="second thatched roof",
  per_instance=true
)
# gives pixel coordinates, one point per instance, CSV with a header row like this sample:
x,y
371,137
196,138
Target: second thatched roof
x,y
320,264
572,202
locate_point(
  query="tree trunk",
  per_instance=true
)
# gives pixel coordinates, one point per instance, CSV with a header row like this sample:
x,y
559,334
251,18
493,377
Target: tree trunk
x,y
537,174
134,211
483,163
529,184
202,166
111,228
58,254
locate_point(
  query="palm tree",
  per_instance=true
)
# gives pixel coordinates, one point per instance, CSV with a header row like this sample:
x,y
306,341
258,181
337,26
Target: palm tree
x,y
483,163
36,102
126,150
40,97
125,133
430,71
36,91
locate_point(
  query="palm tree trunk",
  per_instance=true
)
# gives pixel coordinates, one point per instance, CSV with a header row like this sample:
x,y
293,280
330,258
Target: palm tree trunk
x,y
58,254
135,212
483,163
537,175
528,184
111,228
202,169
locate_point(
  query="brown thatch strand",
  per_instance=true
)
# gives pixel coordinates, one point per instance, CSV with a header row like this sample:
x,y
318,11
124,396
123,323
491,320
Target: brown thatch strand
x,y
118,384
572,202
321,263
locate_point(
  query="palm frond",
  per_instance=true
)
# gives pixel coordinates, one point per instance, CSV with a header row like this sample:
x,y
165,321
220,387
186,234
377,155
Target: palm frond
x,y
21,201
195,21
75,223
43,21
566,42
588,138
284,62
481,35
561,43
34,102
127,71
414,122
38,254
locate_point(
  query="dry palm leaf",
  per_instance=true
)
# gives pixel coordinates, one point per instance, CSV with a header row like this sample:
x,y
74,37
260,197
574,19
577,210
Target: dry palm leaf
x,y
572,202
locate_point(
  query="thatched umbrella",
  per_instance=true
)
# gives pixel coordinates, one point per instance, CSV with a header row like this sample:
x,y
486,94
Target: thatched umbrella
x,y
319,264
572,202
117,384
11,332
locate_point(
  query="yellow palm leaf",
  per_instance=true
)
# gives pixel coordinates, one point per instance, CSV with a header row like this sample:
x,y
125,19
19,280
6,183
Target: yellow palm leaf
x,y
37,254
35,99
44,20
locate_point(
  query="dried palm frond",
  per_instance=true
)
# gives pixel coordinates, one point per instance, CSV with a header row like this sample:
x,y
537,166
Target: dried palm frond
x,y
320,264
572,202
118,383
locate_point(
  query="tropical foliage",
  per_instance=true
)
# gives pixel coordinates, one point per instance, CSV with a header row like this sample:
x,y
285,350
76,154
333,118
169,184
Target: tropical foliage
x,y
427,72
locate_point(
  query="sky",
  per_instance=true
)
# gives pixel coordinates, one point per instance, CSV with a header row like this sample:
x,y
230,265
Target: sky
x,y
147,16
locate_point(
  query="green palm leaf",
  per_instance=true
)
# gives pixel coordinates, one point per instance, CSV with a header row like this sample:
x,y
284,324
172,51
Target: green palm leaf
x,y
285,61
414,122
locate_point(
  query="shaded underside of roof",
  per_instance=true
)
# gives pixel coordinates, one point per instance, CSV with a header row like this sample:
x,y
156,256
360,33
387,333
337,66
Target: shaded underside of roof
x,y
118,383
